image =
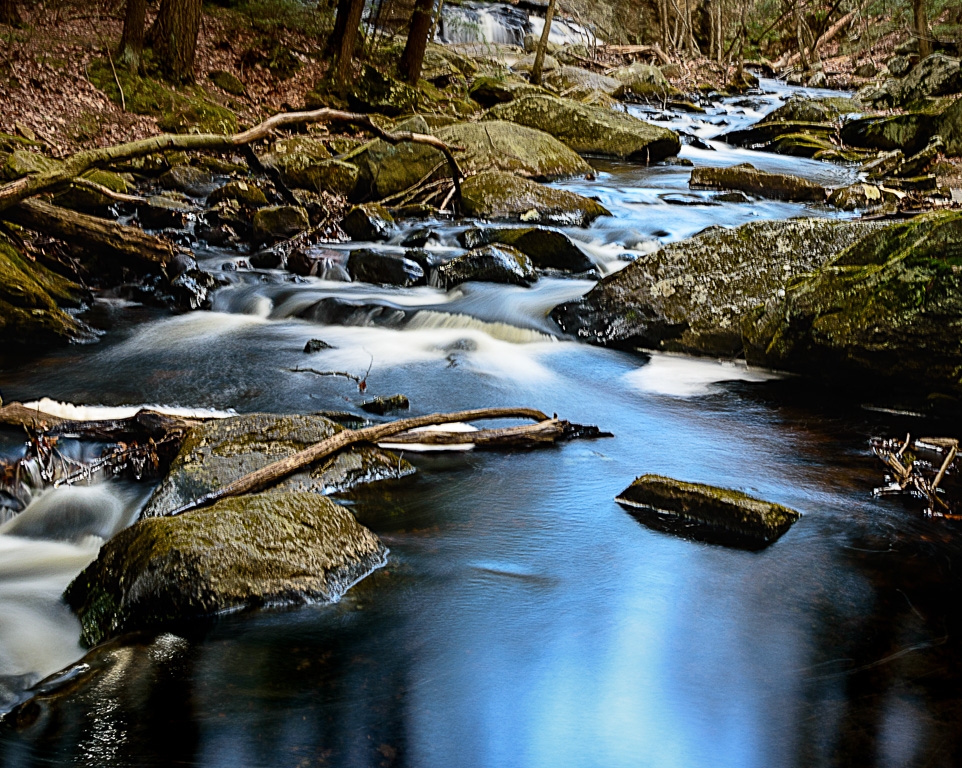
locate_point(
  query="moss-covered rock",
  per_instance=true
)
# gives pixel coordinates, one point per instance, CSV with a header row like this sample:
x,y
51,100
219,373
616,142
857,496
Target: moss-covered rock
x,y
279,222
374,91
950,129
87,200
488,264
244,192
799,145
746,178
490,145
692,296
224,450
935,75
856,197
227,81
488,91
22,162
496,195
369,222
887,309
761,134
908,132
719,515
187,179
547,248
806,110
31,298
591,130
159,212
333,176
244,552
577,82
644,81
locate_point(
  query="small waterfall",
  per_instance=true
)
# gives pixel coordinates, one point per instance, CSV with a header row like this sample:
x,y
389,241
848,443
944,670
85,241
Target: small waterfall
x,y
427,319
483,23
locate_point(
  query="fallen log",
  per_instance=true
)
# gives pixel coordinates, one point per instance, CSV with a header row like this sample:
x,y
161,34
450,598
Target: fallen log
x,y
128,246
636,50
272,473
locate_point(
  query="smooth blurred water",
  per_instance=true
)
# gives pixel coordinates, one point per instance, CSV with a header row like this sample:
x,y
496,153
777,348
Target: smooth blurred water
x,y
524,618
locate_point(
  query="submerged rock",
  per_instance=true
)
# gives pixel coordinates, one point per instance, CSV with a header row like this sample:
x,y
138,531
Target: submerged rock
x,y
717,515
489,264
547,248
243,552
746,178
591,130
692,296
382,406
505,196
221,451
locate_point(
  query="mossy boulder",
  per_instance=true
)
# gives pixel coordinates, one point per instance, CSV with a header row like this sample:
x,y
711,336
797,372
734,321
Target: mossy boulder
x,y
87,200
244,192
31,298
885,310
799,145
806,110
591,130
856,197
547,248
159,212
374,91
762,134
746,178
707,513
909,132
577,82
644,81
22,162
489,145
279,222
227,81
935,75
950,129
693,296
488,264
224,450
335,177
488,91
496,195
369,221
246,552
192,181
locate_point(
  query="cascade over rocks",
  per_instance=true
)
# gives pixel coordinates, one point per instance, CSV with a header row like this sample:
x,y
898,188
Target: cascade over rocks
x,y
591,130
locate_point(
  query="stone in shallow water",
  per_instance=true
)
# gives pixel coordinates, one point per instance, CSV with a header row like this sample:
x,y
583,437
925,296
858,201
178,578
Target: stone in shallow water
x,y
706,513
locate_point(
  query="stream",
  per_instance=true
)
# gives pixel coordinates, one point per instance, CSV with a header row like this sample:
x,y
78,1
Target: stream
x,y
524,619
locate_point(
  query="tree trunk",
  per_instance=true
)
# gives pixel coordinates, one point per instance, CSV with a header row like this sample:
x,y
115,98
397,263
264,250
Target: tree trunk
x,y
340,24
132,41
9,14
922,28
413,57
345,55
174,38
543,44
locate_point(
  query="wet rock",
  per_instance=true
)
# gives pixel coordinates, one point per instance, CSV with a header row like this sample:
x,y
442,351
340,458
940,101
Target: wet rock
x,y
547,248
504,196
373,91
885,311
219,452
908,132
732,197
244,192
195,182
227,81
317,345
799,145
577,82
223,223
807,110
692,296
369,266
707,513
368,222
488,91
420,238
315,261
337,311
279,222
90,201
385,405
332,176
192,289
489,264
763,133
746,178
164,213
245,552
883,164
854,197
919,163
591,130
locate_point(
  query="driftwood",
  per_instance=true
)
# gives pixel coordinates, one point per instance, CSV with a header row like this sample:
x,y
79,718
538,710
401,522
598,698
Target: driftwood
x,y
273,473
16,192
912,474
128,245
638,50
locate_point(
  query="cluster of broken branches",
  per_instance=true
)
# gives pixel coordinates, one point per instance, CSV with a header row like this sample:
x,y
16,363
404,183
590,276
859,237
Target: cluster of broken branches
x,y
911,472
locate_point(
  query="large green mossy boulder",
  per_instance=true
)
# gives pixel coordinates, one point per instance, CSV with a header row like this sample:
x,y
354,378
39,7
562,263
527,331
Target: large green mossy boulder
x,y
497,195
31,298
591,130
692,296
374,91
708,513
86,200
488,91
761,134
577,83
332,176
279,222
494,145
243,192
644,81
746,178
886,309
22,162
250,551
800,145
224,450
908,132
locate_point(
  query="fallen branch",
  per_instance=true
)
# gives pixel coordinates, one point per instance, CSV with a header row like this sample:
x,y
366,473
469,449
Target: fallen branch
x,y
634,50
547,431
100,189
29,186
273,473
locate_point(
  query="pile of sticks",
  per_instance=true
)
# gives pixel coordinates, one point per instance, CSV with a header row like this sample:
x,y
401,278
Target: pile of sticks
x,y
911,472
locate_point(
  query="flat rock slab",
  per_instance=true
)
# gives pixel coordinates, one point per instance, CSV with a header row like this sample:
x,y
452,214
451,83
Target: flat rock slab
x,y
270,548
219,452
707,513
747,178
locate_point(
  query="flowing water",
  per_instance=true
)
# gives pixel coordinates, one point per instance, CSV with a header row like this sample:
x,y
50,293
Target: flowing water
x,y
524,618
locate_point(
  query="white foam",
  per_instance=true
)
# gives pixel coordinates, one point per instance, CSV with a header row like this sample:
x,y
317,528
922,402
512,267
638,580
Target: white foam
x,y
74,412
679,376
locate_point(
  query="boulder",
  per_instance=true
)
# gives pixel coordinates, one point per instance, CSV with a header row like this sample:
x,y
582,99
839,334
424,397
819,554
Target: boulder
x,y
707,513
22,162
279,222
195,182
244,192
746,178
898,66
505,196
381,406
591,130
251,551
221,451
385,169
692,296
886,310
935,75
488,264
88,200
369,266
368,222
806,110
160,212
488,91
227,81
526,63
867,69
908,132
547,248
577,82
643,80
763,133
950,129
373,91
856,197
335,177
799,145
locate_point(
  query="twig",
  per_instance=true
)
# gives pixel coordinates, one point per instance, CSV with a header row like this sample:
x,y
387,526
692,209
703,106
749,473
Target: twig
x,y
100,189
945,465
123,100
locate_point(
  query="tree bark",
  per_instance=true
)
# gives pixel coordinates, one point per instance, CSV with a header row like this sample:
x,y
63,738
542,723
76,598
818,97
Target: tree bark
x,y
132,40
413,57
345,54
922,28
340,24
9,13
174,38
536,70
